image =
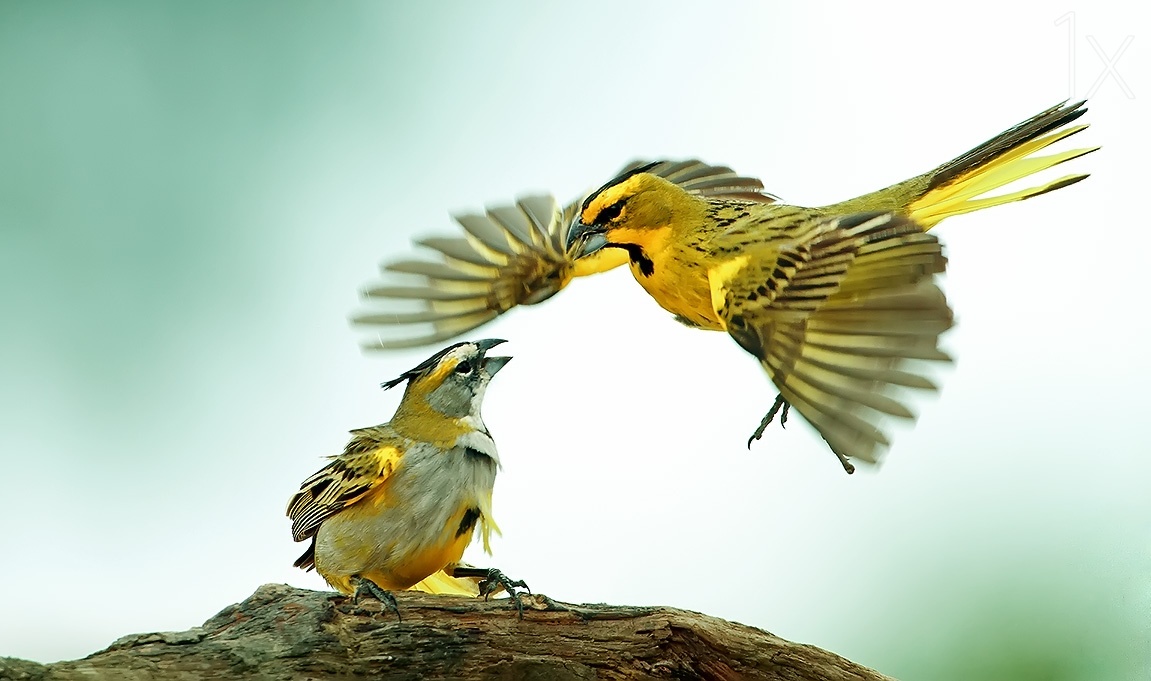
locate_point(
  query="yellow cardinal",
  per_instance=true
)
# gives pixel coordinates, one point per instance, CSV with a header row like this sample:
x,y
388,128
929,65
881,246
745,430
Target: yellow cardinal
x,y
397,509
838,303
518,255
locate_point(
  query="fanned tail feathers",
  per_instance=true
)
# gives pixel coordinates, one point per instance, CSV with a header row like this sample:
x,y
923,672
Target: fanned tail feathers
x,y
956,187
962,184
442,583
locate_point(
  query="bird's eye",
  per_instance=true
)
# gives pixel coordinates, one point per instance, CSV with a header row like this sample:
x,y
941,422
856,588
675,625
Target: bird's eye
x,y
610,213
464,368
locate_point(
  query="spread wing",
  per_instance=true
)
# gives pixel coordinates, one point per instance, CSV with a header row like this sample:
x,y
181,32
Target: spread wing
x,y
509,256
695,177
367,462
839,313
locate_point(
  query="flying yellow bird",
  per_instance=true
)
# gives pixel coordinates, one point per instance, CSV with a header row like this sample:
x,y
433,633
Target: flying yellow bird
x,y
838,303
518,255
397,509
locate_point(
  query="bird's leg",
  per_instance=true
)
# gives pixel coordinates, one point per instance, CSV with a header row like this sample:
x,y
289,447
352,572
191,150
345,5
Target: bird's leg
x,y
491,580
781,403
367,586
769,417
847,466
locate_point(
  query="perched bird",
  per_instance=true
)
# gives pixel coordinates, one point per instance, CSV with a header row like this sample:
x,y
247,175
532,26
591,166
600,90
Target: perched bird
x,y
838,303
400,505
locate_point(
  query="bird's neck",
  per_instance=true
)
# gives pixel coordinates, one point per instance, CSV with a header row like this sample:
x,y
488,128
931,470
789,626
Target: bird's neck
x,y
418,420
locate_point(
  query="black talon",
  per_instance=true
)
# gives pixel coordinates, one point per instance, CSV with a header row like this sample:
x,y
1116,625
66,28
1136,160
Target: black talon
x,y
385,597
496,578
492,578
786,406
769,417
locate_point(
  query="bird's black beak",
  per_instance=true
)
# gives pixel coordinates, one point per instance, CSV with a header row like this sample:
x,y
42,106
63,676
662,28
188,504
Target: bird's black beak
x,y
488,343
585,239
494,364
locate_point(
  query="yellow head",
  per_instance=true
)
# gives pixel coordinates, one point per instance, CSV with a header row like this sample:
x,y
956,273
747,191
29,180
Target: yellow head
x,y
636,212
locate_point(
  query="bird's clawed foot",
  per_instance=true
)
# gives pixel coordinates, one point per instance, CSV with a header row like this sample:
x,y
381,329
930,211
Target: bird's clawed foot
x,y
367,586
497,579
770,416
492,580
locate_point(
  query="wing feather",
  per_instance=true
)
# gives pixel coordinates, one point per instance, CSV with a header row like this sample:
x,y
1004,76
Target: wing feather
x,y
460,250
439,271
512,255
367,462
840,319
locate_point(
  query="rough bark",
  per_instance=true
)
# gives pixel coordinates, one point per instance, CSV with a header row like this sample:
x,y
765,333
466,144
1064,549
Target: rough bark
x,y
282,632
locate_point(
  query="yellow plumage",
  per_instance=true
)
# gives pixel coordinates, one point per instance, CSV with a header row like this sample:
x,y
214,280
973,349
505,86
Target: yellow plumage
x,y
960,185
440,582
514,255
837,302
398,508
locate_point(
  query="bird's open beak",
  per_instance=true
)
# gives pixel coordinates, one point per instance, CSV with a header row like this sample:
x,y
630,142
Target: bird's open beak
x,y
587,238
488,343
494,364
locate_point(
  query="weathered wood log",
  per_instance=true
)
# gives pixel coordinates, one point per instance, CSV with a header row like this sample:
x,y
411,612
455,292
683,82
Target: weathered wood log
x,y
282,632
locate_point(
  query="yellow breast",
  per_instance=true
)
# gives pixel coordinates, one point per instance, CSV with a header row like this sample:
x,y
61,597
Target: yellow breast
x,y
420,566
679,283
379,539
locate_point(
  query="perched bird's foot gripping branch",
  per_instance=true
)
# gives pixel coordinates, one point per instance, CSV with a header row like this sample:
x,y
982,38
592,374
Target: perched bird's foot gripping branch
x,y
493,580
367,586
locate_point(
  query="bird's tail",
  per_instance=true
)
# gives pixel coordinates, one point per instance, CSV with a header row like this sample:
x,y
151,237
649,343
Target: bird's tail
x,y
962,184
443,583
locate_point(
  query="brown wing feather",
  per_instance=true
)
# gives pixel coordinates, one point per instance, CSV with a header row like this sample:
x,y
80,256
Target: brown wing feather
x,y
838,320
695,177
366,463
510,256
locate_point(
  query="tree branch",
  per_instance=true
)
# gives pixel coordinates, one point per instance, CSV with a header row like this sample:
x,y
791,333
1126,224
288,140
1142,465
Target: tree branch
x,y
282,632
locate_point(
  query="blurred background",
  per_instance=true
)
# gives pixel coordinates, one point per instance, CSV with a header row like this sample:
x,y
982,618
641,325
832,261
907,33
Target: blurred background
x,y
191,195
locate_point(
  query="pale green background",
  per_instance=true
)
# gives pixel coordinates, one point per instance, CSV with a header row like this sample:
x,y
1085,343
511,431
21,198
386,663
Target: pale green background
x,y
192,193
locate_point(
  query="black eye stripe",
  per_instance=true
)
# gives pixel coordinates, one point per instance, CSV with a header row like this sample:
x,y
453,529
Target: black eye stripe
x,y
464,367
610,213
